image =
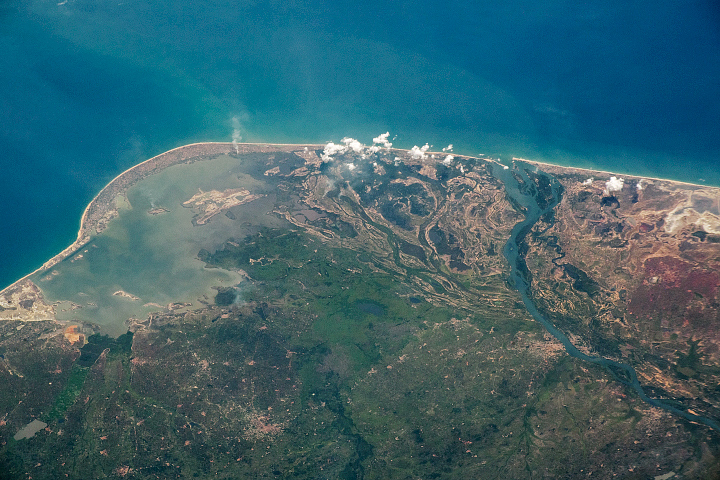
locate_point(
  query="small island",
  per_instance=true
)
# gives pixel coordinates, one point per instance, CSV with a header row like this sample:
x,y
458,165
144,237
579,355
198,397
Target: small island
x,y
377,312
124,294
157,211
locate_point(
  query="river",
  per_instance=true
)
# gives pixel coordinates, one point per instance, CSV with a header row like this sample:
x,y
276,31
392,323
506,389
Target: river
x,y
524,193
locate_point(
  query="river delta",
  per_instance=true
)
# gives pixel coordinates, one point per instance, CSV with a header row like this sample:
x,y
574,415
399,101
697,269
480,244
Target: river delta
x,y
344,311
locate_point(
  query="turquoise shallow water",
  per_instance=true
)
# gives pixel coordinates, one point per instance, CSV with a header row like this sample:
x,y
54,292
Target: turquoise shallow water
x,y
87,89
154,257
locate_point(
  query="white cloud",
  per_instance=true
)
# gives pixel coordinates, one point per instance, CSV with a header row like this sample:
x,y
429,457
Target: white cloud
x,y
383,140
350,166
374,149
448,148
335,148
332,149
589,181
353,144
448,160
639,185
613,185
418,153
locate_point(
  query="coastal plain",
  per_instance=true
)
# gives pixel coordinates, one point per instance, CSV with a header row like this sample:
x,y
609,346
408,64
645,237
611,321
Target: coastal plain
x,y
301,311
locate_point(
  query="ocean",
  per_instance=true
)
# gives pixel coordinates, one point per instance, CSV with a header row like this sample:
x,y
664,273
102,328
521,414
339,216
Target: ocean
x,y
88,88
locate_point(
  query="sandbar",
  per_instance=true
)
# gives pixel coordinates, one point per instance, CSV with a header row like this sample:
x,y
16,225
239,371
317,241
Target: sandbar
x,y
103,208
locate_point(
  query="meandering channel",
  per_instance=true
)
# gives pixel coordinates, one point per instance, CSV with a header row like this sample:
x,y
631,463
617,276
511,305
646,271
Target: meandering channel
x,y
524,194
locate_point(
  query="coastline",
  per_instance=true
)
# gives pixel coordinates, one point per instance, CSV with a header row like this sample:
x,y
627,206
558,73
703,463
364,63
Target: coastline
x,y
99,211
606,172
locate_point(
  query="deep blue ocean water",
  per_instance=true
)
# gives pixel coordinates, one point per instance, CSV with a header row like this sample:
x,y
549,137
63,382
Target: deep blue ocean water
x,y
88,88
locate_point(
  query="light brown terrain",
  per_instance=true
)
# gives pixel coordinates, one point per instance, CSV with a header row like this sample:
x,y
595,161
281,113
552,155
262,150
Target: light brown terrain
x,y
635,276
377,335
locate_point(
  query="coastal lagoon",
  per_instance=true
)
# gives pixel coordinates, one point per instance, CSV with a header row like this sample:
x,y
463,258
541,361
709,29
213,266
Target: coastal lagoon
x,y
89,89
152,257
381,334
406,309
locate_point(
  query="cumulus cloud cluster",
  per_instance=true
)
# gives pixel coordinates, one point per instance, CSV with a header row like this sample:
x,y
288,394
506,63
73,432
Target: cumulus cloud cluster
x,y
589,181
348,144
353,144
613,185
418,153
383,140
379,142
332,149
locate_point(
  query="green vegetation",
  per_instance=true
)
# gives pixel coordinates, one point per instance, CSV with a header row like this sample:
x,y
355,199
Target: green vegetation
x,y
89,353
356,348
69,393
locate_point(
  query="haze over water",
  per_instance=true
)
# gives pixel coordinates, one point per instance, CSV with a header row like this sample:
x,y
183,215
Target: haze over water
x,y
88,89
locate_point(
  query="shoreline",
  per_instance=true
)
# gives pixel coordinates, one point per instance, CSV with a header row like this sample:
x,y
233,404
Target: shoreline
x,y
605,172
97,214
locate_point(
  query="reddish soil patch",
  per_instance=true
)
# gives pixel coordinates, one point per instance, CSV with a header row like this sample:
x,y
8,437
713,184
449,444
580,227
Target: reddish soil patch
x,y
676,292
674,272
72,335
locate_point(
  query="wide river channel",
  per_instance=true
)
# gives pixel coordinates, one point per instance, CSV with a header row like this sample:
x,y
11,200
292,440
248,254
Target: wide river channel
x,y
523,191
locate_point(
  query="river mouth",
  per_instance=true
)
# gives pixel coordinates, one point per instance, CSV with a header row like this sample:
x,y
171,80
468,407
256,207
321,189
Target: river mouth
x,y
536,198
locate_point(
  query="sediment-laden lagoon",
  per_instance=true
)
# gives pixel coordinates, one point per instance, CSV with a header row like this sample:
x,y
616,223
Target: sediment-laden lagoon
x,y
147,256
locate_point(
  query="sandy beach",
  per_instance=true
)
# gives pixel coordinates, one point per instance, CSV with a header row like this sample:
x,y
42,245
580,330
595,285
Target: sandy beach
x,y
102,209
591,172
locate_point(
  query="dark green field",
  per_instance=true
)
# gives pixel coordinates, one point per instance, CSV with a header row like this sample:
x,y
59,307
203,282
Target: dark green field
x,y
357,348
